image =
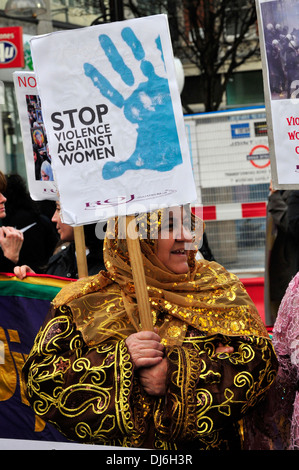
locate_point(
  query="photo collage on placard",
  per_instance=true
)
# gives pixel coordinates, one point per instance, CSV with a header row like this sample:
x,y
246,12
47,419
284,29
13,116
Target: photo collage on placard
x,y
281,33
41,155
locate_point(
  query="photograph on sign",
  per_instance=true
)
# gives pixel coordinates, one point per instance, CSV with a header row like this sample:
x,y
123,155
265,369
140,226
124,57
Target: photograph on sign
x,y
279,38
35,141
114,120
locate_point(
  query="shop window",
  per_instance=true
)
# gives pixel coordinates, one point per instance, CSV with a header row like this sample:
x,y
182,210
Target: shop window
x,y
245,88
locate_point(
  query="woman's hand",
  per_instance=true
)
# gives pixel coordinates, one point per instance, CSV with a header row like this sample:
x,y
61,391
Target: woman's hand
x,y
145,348
153,379
147,354
224,349
11,241
22,271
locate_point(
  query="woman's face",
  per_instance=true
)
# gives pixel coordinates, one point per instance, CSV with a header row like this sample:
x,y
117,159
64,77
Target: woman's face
x,y
2,206
66,232
44,175
38,138
173,238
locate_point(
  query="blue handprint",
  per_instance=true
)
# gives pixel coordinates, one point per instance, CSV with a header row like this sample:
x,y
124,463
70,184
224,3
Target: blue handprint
x,y
149,106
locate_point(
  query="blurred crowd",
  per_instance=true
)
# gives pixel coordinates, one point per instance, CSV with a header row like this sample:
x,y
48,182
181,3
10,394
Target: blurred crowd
x,y
34,239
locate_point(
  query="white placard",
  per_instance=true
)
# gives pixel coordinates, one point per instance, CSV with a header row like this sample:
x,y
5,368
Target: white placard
x,y
113,115
279,38
35,143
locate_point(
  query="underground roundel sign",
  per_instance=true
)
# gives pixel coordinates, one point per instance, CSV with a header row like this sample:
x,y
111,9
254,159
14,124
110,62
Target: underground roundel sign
x,y
259,156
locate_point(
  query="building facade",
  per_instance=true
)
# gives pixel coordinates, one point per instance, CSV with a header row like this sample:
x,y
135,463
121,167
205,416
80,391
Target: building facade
x,y
244,88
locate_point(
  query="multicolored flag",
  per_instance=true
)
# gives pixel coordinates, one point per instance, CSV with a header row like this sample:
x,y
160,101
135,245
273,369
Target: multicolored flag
x,y
23,307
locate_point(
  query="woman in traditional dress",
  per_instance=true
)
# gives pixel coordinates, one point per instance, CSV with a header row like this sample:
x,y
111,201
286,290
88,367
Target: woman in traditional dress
x,y
96,375
286,343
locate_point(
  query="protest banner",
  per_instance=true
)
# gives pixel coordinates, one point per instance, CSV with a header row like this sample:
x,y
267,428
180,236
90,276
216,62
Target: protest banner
x,y
23,306
114,120
38,160
35,141
279,40
113,115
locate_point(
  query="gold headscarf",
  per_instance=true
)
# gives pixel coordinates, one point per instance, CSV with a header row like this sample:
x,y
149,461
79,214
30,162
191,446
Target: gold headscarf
x,y
208,297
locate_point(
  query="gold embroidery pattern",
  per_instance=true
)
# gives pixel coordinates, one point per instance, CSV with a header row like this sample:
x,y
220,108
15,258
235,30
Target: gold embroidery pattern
x,y
94,395
80,376
91,394
195,410
122,391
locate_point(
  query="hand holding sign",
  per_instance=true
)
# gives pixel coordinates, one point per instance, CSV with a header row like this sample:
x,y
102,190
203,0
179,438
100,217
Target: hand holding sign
x,y
147,106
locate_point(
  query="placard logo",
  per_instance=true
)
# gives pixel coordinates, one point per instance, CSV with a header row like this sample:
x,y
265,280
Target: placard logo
x,y
8,52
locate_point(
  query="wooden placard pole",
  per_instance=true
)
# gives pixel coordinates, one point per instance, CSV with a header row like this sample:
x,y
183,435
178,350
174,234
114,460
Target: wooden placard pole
x,y
80,251
138,274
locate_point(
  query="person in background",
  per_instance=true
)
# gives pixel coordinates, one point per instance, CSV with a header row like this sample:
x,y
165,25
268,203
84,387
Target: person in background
x,y
11,239
281,251
40,236
276,423
63,263
293,217
286,344
205,251
187,384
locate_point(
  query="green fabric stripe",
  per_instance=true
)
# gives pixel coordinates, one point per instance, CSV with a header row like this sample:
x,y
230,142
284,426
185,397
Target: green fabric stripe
x,y
32,291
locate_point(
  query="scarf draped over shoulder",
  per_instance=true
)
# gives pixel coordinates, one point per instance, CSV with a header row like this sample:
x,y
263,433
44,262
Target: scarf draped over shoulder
x,y
207,298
